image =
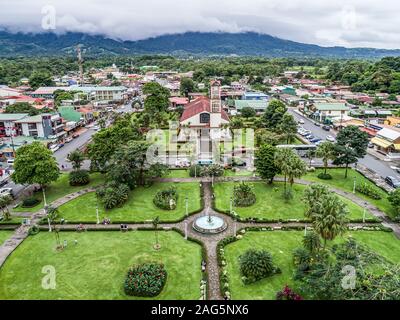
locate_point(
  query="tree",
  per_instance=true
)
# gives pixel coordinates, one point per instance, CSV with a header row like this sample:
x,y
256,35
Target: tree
x,y
255,265
156,98
5,201
155,222
248,112
265,162
290,164
39,79
273,115
22,107
394,199
34,163
288,127
264,136
312,242
351,144
326,151
187,86
76,157
327,212
52,216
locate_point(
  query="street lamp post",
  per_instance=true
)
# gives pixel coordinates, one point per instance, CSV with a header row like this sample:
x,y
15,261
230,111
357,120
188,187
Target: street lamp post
x,y
364,213
234,224
231,205
305,230
97,213
354,185
186,206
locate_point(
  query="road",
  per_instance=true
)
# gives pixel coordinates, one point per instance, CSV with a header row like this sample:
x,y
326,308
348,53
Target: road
x,y
379,166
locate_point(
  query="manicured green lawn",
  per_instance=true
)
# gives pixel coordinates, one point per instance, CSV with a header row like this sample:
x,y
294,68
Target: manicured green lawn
x,y
180,173
140,206
14,220
4,235
238,173
281,245
61,188
270,203
95,268
340,182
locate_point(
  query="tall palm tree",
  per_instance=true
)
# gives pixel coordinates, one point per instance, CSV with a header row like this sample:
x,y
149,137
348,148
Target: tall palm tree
x,y
326,151
76,157
290,165
52,215
331,220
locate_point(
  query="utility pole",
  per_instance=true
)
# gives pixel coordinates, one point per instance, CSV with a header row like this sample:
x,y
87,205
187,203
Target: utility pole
x,y
80,63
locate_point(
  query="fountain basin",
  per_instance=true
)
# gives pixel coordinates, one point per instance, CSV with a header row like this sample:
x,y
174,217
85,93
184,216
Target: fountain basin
x,y
209,225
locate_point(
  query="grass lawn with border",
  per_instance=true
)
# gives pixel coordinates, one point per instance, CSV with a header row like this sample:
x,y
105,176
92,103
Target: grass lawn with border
x,y
13,220
96,267
4,235
179,173
270,203
338,181
238,173
281,245
139,207
59,189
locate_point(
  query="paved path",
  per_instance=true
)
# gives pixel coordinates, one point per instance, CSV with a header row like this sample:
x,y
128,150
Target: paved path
x,y
209,241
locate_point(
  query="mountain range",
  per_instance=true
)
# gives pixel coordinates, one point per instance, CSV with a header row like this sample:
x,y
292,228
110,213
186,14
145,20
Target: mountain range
x,y
185,44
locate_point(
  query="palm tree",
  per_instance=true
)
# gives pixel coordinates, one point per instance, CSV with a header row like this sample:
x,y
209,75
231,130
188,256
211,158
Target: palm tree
x,y
331,220
290,165
76,157
156,222
326,151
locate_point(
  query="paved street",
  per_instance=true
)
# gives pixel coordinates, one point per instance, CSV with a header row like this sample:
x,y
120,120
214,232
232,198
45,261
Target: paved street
x,y
379,166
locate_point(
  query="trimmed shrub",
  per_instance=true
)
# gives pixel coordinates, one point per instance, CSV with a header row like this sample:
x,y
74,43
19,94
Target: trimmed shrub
x,y
33,230
256,265
166,199
215,170
369,191
145,280
195,170
324,176
30,202
79,178
113,195
243,195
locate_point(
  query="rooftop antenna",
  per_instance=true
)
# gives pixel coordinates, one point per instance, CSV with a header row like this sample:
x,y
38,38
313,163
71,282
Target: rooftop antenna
x,y
80,63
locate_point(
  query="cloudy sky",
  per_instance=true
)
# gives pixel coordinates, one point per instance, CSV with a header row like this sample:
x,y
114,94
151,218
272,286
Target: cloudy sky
x,y
350,23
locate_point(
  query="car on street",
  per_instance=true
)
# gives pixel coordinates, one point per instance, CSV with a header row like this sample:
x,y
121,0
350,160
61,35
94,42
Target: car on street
x,y
326,127
96,128
54,147
315,140
6,192
392,181
317,124
68,140
370,145
75,135
301,121
330,139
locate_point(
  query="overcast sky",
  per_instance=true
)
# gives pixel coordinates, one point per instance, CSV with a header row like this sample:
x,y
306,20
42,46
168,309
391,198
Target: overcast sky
x,y
351,23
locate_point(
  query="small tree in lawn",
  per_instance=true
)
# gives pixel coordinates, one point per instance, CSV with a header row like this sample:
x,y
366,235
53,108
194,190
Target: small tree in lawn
x,y
351,144
5,201
156,222
76,157
288,127
326,151
52,215
265,162
35,164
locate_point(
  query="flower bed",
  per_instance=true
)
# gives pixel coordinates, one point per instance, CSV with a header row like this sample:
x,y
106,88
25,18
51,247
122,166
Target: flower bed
x,y
145,280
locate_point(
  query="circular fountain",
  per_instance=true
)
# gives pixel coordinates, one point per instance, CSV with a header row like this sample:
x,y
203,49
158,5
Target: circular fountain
x,y
209,224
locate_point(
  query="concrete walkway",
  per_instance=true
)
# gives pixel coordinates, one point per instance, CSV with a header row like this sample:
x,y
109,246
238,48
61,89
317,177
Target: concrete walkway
x,y
209,241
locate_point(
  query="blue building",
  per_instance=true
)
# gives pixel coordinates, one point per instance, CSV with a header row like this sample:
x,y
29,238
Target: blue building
x,y
255,96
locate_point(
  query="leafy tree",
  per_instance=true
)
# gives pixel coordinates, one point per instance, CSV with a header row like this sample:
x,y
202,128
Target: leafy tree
x,y
288,127
394,199
351,144
265,162
76,157
273,115
5,201
60,95
39,79
264,136
326,151
187,86
113,194
22,107
248,112
108,140
255,265
312,242
290,164
34,163
156,98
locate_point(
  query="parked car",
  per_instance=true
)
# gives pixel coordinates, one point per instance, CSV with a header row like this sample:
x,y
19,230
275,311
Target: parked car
x,y
326,127
60,145
301,121
392,181
54,147
315,140
68,140
75,135
370,145
3,182
6,192
10,162
96,128
330,139
317,124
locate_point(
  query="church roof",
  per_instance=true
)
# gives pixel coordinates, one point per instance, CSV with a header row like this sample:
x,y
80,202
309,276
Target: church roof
x,y
199,105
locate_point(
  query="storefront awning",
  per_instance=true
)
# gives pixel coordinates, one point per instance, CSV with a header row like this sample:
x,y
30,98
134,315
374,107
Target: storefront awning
x,y
381,142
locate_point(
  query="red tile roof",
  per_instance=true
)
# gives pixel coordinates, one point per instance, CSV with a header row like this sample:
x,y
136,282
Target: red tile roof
x,y
199,105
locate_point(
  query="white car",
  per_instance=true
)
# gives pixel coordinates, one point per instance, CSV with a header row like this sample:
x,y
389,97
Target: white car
x,y
6,192
330,139
55,147
69,139
301,121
